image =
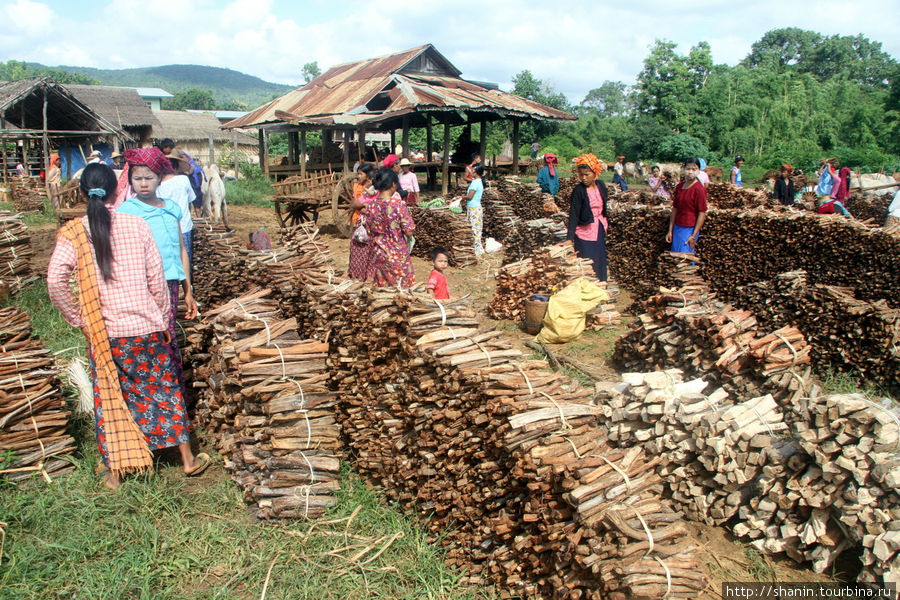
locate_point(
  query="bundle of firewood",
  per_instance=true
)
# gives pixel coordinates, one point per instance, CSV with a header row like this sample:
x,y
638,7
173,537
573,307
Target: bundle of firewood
x,y
846,333
640,197
34,420
551,269
725,195
525,199
563,197
529,236
688,328
635,240
873,209
28,194
219,274
439,227
15,252
499,219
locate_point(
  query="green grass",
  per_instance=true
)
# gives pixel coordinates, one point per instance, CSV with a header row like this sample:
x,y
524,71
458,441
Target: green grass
x,y
759,568
837,382
249,192
161,536
158,537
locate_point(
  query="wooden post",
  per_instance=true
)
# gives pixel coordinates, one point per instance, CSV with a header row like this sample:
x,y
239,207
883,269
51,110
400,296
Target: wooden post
x,y
482,140
405,137
234,154
46,143
212,151
266,153
445,163
68,162
292,147
3,142
303,153
262,146
428,139
361,143
393,141
346,151
25,144
515,149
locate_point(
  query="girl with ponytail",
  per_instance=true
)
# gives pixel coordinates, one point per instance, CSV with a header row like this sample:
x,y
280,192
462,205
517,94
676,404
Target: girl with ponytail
x,y
122,309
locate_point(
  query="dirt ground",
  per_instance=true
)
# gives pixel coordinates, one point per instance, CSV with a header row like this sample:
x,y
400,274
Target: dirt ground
x,y
721,556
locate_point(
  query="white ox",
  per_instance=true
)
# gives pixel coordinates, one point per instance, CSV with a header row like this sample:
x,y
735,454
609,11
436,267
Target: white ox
x,y
214,195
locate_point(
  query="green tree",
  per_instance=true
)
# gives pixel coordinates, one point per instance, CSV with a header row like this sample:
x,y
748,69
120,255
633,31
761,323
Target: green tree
x,y
193,98
608,100
782,48
311,70
668,82
528,86
14,70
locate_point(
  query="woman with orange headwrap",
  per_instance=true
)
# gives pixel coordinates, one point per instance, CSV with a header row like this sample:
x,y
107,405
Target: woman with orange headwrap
x,y
54,178
587,214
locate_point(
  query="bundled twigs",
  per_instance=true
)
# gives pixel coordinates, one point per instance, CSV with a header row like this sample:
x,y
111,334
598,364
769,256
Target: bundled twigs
x,y
28,194
441,227
34,419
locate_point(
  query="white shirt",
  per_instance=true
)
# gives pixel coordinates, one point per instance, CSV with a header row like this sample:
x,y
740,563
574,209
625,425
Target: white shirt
x,y
894,208
178,189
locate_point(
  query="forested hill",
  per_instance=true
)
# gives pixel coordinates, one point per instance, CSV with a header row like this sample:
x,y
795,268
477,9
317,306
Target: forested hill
x,y
229,88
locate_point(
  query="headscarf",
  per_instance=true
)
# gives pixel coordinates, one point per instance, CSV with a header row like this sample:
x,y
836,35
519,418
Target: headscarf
x,y
788,168
590,161
54,160
151,157
550,158
389,160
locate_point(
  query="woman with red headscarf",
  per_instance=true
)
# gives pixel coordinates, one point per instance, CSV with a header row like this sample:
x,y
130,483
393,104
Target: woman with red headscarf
x,y
146,166
587,214
547,177
54,178
784,186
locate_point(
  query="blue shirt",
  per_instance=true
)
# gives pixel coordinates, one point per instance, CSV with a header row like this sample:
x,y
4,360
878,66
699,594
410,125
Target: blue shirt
x,y
478,186
549,183
737,176
163,222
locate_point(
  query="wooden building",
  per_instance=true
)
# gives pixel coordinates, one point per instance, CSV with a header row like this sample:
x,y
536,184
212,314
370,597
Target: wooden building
x,y
200,134
418,87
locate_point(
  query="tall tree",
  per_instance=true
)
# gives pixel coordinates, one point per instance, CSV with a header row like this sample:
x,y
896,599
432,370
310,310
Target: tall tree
x,y
667,83
781,48
14,70
528,86
311,70
193,98
608,100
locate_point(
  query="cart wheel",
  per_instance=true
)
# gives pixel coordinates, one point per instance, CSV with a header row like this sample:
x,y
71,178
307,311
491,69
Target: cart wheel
x,y
300,212
340,203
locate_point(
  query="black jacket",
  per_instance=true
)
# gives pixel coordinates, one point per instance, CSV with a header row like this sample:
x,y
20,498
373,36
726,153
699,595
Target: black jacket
x,y
580,209
784,193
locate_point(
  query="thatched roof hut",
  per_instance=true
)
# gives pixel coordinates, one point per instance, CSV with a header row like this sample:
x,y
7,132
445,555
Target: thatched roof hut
x,y
122,106
194,131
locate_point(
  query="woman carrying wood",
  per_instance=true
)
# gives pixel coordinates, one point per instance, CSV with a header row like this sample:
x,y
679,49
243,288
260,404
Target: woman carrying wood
x,y
688,210
146,166
121,308
587,215
388,224
360,244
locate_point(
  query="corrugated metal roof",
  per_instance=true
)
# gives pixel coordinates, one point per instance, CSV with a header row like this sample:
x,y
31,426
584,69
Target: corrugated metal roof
x,y
152,92
340,95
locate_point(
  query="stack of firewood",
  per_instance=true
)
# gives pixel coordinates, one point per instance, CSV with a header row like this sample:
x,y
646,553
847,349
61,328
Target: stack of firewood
x,y
525,199
725,195
439,227
606,315
867,331
219,272
500,221
563,197
15,252
28,194
872,209
635,240
34,420
529,236
688,328
550,270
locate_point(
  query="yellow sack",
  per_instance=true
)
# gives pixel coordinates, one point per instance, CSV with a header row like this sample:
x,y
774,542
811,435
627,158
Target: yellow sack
x,y
564,320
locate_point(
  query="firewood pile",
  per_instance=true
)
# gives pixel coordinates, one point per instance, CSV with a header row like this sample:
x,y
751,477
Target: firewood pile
x,y
636,238
688,328
725,195
34,420
28,194
267,404
550,269
15,252
218,274
810,490
528,236
563,197
440,227
639,197
867,331
864,207
525,199
605,316
500,222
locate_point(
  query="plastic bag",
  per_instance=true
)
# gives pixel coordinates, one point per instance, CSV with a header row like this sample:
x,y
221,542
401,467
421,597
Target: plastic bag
x,y
360,235
564,320
492,245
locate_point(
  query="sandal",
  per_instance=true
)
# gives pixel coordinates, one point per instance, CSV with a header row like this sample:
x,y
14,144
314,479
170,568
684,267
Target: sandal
x,y
105,474
205,460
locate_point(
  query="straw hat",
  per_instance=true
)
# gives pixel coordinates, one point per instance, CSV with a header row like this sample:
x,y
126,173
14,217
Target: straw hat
x,y
404,162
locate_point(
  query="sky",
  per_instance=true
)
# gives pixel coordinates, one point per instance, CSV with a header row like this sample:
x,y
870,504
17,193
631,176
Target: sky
x,y
573,49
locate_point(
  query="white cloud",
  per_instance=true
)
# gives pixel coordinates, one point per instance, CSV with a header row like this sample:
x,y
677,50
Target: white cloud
x,y
573,50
